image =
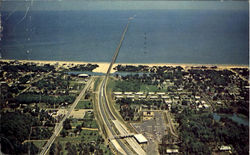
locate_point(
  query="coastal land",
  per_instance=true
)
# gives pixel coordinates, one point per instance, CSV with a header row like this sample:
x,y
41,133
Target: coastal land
x,y
103,66
58,107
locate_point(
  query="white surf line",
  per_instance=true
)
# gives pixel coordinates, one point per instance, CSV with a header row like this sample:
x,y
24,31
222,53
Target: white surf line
x,y
27,10
10,14
25,15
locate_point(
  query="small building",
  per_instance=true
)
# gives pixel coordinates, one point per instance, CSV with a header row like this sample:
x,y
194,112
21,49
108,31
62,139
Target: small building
x,y
128,93
117,93
153,97
200,106
225,148
83,75
139,93
151,93
147,115
203,102
144,106
219,103
140,139
206,106
172,151
130,96
176,97
168,101
180,89
118,97
160,93
165,97
197,97
142,97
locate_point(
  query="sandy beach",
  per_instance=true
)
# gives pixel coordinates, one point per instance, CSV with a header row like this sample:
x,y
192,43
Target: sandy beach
x,y
103,66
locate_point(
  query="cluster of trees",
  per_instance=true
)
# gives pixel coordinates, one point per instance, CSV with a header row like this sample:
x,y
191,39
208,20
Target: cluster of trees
x,y
200,130
143,68
15,128
243,107
25,78
217,78
88,67
127,112
66,126
157,78
130,68
28,68
53,83
90,141
28,98
167,143
89,121
82,148
151,78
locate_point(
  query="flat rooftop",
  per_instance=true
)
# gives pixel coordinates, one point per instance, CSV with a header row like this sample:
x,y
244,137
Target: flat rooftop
x,y
140,138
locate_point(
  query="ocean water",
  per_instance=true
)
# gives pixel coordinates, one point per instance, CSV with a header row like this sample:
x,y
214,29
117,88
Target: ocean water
x,y
154,36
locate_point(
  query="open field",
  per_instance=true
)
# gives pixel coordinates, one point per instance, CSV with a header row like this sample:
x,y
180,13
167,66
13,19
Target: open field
x,y
84,105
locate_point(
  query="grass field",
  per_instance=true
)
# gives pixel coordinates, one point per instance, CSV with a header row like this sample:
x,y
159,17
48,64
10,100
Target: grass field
x,y
89,121
39,144
112,84
86,138
148,88
84,105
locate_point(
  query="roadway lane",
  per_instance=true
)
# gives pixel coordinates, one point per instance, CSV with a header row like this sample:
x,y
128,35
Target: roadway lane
x,y
59,127
106,118
171,127
107,115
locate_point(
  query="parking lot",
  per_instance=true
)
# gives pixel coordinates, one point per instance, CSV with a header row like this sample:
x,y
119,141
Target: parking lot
x,y
153,129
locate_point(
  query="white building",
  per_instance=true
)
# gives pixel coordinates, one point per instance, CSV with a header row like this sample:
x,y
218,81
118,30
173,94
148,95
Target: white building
x,y
225,148
83,75
130,96
118,97
140,139
153,97
142,96
172,151
165,97
128,93
117,93
139,93
160,93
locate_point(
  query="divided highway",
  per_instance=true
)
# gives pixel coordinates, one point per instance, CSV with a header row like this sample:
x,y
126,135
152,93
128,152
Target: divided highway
x,y
111,124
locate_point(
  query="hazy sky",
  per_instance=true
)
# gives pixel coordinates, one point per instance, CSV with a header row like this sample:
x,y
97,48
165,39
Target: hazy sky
x,y
125,5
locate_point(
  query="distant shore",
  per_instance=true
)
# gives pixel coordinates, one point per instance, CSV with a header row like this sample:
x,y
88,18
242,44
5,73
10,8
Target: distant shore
x,y
103,66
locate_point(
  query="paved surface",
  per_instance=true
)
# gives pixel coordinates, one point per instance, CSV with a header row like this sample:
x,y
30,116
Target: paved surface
x,y
170,124
106,117
153,129
59,127
109,120
91,129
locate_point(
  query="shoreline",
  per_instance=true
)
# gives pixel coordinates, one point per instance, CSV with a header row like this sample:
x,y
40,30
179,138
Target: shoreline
x,y
103,66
